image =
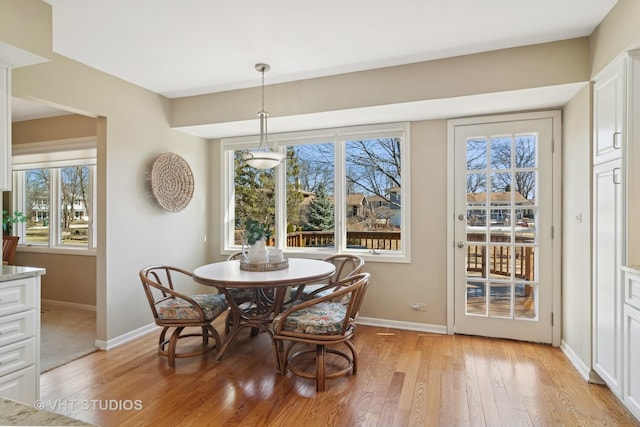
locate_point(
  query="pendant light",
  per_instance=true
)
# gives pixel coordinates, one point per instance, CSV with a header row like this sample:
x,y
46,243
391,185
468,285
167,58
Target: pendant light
x,y
263,157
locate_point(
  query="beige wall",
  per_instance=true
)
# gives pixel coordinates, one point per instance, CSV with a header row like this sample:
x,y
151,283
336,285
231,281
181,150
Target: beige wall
x,y
540,65
53,129
26,25
617,33
576,234
69,278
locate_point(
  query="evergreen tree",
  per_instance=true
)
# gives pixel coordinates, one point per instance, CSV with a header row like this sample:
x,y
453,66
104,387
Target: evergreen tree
x,y
320,212
255,195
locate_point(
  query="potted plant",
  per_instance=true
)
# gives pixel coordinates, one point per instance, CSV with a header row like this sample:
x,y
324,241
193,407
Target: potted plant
x,y
255,235
255,231
9,220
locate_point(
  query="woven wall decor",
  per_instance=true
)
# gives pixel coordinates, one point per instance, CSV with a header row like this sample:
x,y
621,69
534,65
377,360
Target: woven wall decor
x,y
172,182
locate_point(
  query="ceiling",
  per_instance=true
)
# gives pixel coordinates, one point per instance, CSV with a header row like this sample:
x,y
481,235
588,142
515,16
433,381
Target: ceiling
x,y
190,47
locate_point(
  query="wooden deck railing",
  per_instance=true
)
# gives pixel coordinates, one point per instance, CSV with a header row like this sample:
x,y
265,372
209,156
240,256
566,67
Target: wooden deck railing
x,y
499,257
386,240
383,240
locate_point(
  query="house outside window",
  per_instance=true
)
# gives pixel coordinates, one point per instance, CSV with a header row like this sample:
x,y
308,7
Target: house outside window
x,y
339,190
54,186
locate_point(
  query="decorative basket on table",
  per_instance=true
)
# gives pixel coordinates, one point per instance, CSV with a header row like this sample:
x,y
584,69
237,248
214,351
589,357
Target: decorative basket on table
x,y
264,266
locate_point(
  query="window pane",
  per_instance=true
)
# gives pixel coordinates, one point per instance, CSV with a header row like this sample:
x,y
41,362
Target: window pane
x,y
254,196
37,206
526,151
373,188
74,211
477,154
310,195
501,153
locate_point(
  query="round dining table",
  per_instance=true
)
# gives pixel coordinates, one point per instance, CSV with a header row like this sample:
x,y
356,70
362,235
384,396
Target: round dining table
x,y
269,290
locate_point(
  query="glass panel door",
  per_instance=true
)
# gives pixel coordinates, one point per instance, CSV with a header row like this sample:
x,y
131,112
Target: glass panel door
x,y
502,186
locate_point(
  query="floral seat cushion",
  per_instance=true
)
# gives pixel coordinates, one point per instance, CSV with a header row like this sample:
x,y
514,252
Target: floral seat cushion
x,y
325,318
175,308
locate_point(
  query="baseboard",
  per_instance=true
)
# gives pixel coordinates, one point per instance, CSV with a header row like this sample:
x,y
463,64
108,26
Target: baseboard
x,y
577,363
367,321
119,340
395,324
66,304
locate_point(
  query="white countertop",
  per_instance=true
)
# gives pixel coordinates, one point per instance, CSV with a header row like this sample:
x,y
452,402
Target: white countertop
x,y
12,272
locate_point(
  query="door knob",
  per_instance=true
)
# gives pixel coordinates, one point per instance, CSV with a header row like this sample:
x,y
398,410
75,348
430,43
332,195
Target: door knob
x,y
460,244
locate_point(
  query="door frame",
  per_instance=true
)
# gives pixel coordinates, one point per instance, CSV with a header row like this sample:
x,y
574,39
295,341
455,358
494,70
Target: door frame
x,y
556,244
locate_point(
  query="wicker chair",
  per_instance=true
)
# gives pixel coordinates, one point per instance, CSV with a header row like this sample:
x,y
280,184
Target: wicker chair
x,y
327,320
346,265
9,246
172,309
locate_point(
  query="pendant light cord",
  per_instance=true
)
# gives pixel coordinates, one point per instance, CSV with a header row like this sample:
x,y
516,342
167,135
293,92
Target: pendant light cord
x,y
262,89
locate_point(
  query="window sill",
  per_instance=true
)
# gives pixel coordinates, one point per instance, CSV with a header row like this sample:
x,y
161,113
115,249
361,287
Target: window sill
x,y
319,253
58,250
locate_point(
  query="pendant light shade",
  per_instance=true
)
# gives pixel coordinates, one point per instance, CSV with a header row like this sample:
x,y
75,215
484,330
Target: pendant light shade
x,y
263,157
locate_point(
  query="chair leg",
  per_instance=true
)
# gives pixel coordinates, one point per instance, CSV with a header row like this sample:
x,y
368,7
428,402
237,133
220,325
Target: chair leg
x,y
212,332
205,336
173,342
354,356
320,355
227,322
161,340
279,344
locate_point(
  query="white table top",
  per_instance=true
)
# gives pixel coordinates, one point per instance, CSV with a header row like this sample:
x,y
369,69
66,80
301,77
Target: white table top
x,y
228,273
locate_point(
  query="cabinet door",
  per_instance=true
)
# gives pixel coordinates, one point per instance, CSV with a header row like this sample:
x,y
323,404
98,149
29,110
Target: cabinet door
x,y
609,102
19,385
631,358
607,276
5,129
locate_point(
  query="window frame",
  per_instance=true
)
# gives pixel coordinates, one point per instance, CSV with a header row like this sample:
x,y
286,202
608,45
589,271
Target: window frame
x,y
339,137
54,155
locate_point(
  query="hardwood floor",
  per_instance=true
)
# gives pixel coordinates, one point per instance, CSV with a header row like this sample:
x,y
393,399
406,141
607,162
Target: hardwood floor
x,y
405,378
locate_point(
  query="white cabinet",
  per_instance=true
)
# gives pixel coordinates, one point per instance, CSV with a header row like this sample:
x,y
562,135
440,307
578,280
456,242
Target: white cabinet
x,y
613,153
631,342
608,252
616,298
20,333
609,92
631,395
5,128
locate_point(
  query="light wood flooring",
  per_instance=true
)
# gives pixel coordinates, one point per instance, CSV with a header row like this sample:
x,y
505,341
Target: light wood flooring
x,y
405,378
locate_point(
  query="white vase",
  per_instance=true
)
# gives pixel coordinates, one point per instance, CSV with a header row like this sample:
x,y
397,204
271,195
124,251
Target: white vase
x,y
258,253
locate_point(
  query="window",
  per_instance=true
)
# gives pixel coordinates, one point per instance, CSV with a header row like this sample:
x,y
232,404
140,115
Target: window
x,y
54,186
339,190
